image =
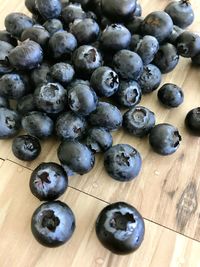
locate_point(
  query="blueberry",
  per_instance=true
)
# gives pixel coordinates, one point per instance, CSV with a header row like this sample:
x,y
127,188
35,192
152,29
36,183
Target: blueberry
x,y
138,9
174,35
48,181
26,147
86,31
4,103
70,126
98,139
86,59
62,44
188,44
134,25
53,26
16,23
62,73
37,34
145,47
82,99
181,13
107,116
38,19
75,157
5,49
171,95
26,56
118,9
50,98
128,65
192,121
120,228
138,121
72,12
115,37
12,86
10,123
158,24
104,81
150,79
38,124
49,9
166,58
122,162
164,139
129,94
53,223
7,37
41,75
26,104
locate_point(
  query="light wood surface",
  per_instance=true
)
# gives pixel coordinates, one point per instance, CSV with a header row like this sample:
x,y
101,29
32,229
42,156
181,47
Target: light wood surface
x,y
167,191
18,248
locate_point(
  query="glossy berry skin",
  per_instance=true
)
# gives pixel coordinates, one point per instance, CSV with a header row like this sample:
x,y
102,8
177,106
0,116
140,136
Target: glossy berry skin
x,y
62,73
146,47
166,58
138,121
49,9
26,104
5,49
4,103
12,86
82,99
164,138
31,6
72,12
174,35
75,157
181,13
16,23
104,81
7,37
192,121
120,228
150,79
48,181
134,25
26,56
53,26
128,65
188,44
98,139
10,123
171,95
115,37
122,162
129,94
37,34
158,24
70,126
53,223
26,147
50,98
86,59
38,124
107,116
118,9
62,44
86,31
41,75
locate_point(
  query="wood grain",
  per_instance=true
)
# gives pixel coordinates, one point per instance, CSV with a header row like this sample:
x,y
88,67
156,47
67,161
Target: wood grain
x,y
167,190
18,248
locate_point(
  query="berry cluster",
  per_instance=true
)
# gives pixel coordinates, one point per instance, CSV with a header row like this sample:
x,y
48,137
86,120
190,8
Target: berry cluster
x,y
70,68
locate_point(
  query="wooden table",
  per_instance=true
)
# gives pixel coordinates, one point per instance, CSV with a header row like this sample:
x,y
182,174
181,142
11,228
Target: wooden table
x,y
167,191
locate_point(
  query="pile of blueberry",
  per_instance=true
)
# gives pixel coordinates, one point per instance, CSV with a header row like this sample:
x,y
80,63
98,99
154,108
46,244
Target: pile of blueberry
x,y
70,68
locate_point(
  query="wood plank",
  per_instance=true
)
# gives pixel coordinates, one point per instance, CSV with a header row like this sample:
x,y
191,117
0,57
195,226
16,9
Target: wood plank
x,y
167,190
18,248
